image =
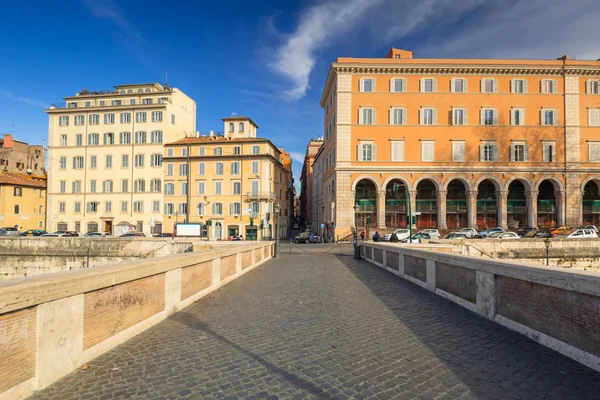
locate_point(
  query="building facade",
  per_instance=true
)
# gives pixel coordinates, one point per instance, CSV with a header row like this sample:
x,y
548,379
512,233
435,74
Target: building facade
x,y
21,158
229,183
105,157
306,180
22,200
475,143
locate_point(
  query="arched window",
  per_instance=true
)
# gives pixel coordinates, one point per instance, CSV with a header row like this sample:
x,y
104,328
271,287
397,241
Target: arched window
x,y
61,226
231,127
130,91
241,127
92,227
140,90
147,90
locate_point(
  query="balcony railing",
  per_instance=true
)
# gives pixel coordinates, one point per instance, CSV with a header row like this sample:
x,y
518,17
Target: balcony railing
x,y
260,195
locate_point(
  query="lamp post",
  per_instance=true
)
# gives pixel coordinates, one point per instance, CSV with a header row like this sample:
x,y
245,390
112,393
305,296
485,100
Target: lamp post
x,y
277,210
356,243
547,243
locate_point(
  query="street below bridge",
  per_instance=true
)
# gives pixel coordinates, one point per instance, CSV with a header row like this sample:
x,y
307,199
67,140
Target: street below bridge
x,y
315,323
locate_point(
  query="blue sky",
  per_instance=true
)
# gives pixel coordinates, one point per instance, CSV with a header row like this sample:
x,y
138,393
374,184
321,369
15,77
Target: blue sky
x,y
264,59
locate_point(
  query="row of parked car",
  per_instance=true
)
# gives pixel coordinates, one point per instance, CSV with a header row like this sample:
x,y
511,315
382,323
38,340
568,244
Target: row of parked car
x,y
564,232
11,231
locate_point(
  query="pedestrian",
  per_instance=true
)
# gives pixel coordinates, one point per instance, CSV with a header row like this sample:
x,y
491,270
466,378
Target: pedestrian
x,y
362,235
376,236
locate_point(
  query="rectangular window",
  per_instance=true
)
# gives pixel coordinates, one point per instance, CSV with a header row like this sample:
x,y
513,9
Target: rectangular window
x,y
183,169
201,168
132,102
77,207
255,207
169,169
18,192
201,188
78,162
182,208
428,116
428,85
237,150
156,160
93,119
217,209
157,116
458,150
102,103
155,206
170,153
397,116
237,187
366,152
93,162
155,185
201,151
398,85
124,185
184,152
61,207
218,187
488,151
219,168
427,151
63,186
594,116
139,160
398,151
458,85
235,209
140,137
169,208
254,167
254,188
92,207
593,87
108,161
366,116
93,186
125,161
235,168
139,186
255,150
79,139
109,138
125,137
125,118
218,151
172,119
549,149
549,86
518,86
79,119
146,101
138,206
519,152
549,117
63,163
169,189
157,137
124,206
489,116
184,188
594,152
459,116
109,118
517,116
116,102
140,116
367,85
63,140
162,100
108,206
489,85
93,139
63,120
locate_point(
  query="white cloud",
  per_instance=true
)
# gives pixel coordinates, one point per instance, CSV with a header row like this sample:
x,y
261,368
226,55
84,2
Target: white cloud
x,y
298,157
24,100
319,25
107,9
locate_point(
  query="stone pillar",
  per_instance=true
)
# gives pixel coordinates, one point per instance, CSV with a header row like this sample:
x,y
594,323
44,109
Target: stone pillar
x,y
413,205
381,209
502,204
532,214
441,209
559,197
472,208
353,202
573,199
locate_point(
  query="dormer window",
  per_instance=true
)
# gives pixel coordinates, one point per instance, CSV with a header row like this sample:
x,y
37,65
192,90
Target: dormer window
x,y
231,127
241,127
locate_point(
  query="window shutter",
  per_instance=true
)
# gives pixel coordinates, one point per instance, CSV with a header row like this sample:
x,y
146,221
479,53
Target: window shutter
x,y
482,117
359,156
373,116
400,151
526,152
482,84
392,84
403,85
404,116
513,88
594,149
542,86
434,112
452,83
360,89
553,149
465,116
542,117
588,86
512,117
373,152
512,152
495,86
546,152
422,85
554,117
590,116
554,86
495,152
524,85
495,113
391,114
421,116
481,152
434,85
465,85
360,116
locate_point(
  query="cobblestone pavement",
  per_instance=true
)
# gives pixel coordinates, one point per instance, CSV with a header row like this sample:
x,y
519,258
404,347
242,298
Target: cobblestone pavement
x,y
323,326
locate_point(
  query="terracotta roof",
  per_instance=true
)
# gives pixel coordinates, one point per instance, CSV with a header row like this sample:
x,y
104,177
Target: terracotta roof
x,y
9,178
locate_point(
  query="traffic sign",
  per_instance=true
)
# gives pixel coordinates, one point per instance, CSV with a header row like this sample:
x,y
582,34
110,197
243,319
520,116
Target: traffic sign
x,y
322,226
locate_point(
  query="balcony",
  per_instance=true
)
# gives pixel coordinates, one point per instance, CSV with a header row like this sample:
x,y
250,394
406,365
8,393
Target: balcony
x,y
260,195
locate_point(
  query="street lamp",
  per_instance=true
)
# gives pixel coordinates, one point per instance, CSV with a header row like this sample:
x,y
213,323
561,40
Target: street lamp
x,y
547,243
356,243
277,210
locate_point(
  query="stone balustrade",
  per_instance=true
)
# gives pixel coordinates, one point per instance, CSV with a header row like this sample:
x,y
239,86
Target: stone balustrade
x,y
52,324
556,308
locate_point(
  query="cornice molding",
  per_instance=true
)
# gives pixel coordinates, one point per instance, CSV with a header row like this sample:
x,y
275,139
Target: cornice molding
x,y
465,70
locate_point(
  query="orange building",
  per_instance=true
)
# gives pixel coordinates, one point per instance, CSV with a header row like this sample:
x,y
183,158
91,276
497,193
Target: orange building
x,y
477,143
306,181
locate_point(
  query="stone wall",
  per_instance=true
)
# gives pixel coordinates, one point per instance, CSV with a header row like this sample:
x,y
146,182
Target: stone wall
x,y
52,324
557,308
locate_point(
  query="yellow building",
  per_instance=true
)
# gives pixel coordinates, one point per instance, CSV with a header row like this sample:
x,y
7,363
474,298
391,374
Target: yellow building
x,y
229,183
105,157
22,201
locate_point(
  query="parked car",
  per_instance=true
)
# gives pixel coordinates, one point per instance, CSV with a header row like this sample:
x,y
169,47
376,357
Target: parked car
x,y
489,231
314,239
9,231
577,234
417,238
503,235
455,235
67,233
592,227
433,233
560,229
53,235
523,232
134,234
469,232
302,238
538,234
401,234
96,234
163,234
32,232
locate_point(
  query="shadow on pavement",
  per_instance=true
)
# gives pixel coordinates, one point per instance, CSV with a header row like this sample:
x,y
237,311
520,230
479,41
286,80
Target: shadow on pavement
x,y
494,362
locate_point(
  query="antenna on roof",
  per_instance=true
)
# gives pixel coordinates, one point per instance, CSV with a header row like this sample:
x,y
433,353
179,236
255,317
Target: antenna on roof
x,y
233,114
166,79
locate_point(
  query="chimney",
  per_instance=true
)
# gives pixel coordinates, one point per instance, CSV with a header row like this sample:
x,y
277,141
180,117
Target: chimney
x,y
8,141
